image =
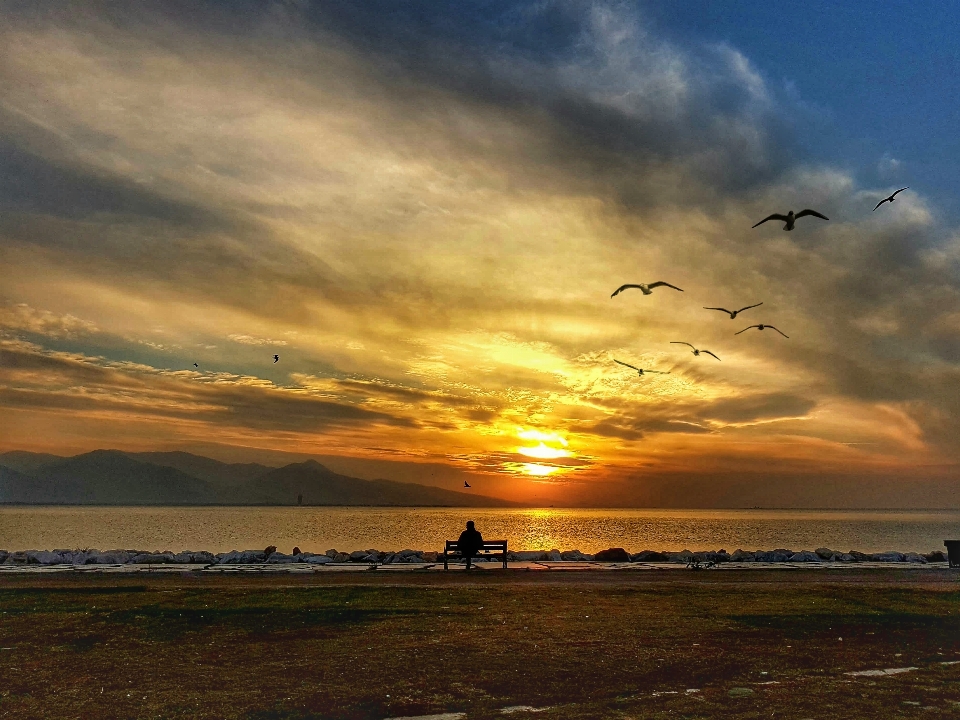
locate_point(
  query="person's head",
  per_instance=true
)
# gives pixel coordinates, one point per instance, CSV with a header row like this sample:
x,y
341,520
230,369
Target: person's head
x,y
469,524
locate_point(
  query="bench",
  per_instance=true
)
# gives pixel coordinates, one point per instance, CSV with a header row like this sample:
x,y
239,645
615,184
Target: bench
x,y
452,550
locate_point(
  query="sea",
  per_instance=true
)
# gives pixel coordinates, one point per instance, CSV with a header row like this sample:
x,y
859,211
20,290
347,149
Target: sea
x,y
317,529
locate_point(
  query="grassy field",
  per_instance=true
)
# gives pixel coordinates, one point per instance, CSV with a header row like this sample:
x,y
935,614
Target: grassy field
x,y
582,644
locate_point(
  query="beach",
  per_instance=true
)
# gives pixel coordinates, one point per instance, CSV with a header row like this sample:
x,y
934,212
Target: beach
x,y
864,642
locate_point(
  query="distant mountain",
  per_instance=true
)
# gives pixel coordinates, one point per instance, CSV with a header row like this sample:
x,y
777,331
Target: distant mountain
x,y
26,462
212,471
321,486
111,477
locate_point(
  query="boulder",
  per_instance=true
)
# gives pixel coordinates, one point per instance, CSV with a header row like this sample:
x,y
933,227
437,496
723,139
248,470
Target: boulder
x,y
269,550
935,556
331,554
44,557
318,560
742,556
684,556
846,557
554,556
373,557
241,557
806,556
155,558
913,557
613,555
574,555
779,555
358,555
3,556
891,556
410,553
342,558
527,556
279,557
858,556
826,553
648,556
430,556
19,558
296,551
202,556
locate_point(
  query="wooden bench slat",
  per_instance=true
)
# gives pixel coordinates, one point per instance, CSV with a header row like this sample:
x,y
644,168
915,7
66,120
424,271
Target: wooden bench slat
x,y
488,546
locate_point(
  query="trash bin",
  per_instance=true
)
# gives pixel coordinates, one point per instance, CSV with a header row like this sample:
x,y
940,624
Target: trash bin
x,y
953,552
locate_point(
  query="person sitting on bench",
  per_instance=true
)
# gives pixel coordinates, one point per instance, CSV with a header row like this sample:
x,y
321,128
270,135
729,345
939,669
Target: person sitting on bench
x,y
470,542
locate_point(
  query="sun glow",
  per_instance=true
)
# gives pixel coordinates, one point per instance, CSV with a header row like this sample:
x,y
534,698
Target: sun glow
x,y
543,452
539,470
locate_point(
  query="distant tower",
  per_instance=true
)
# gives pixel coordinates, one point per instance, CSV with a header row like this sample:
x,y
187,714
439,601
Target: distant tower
x,y
300,499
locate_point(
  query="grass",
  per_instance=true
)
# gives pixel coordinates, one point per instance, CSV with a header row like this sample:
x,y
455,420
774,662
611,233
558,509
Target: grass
x,y
587,645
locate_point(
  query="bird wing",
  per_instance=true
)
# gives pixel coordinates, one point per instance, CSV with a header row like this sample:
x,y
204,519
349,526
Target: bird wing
x,y
679,342
773,328
804,213
882,202
775,216
749,306
707,352
627,365
746,328
721,309
658,284
622,288
899,191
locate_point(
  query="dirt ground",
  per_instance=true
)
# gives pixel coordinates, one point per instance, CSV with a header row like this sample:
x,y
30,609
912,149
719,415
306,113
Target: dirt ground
x,y
652,644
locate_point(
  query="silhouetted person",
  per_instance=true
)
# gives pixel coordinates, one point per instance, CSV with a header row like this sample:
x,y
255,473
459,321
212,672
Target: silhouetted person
x,y
470,542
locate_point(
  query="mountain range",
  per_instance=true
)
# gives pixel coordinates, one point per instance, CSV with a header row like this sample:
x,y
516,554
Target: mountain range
x,y
112,477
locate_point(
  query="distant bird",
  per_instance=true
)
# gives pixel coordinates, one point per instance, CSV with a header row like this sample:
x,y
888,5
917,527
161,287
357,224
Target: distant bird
x,y
276,358
195,365
644,288
790,218
761,327
890,199
733,313
466,484
640,370
695,351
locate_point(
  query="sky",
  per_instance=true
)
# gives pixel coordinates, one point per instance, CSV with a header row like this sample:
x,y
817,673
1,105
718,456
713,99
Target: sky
x,y
423,209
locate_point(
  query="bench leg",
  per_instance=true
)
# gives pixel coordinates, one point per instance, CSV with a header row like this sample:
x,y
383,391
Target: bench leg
x,y
445,560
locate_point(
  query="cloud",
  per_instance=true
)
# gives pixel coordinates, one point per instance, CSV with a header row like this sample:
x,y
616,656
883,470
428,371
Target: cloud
x,y
251,340
21,317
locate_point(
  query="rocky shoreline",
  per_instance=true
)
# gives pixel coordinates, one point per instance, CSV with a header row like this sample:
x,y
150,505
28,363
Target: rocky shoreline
x,y
270,555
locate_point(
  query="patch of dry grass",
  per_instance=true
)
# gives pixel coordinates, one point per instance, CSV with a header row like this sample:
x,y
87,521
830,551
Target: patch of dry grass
x,y
588,645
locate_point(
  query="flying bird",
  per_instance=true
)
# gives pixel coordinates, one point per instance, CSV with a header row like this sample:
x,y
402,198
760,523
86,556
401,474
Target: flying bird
x,y
276,358
466,484
733,313
643,287
195,365
695,351
790,218
761,327
640,370
890,199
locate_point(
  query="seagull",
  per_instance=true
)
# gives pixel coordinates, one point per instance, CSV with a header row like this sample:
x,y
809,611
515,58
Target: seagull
x,y
790,218
195,365
646,289
733,313
890,199
640,370
276,358
466,484
761,327
695,351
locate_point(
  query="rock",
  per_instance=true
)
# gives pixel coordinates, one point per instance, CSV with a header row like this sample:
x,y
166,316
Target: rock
x,y
410,553
891,556
44,557
18,558
859,556
574,555
527,556
613,555
111,557
296,551
155,558
331,554
358,555
429,556
279,557
684,556
554,556
806,556
779,555
372,558
649,556
3,556
318,560
269,550
742,556
935,556
913,557
203,557
846,557
241,557
826,554
342,558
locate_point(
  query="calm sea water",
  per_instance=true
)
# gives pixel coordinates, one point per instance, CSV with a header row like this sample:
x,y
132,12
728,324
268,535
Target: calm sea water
x,y
349,528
